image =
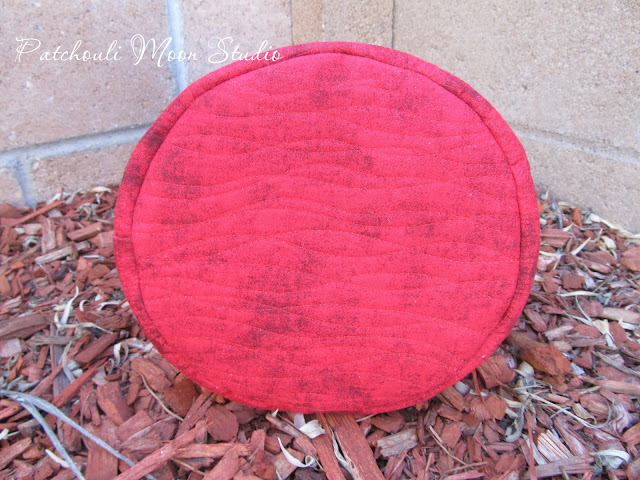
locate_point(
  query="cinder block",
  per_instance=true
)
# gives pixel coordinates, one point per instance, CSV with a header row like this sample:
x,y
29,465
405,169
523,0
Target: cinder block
x,y
351,21
43,100
343,20
10,190
82,170
248,23
564,66
607,186
306,21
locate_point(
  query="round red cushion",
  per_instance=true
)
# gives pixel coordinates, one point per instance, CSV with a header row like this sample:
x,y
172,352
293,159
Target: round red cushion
x,y
346,229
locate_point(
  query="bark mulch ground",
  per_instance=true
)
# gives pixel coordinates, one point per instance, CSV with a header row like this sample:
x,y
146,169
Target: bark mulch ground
x,y
559,399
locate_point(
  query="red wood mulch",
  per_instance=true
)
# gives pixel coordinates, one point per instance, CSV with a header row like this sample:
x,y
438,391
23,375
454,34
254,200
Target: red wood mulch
x,y
559,399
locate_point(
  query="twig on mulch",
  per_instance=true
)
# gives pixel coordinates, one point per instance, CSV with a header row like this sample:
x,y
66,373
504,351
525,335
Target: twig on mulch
x,y
33,404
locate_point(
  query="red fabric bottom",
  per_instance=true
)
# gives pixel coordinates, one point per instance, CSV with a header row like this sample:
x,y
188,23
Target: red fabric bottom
x,y
346,229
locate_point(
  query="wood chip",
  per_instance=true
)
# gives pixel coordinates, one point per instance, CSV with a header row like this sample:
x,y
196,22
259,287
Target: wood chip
x,y
631,259
12,222
572,465
632,435
304,445
466,475
181,395
283,466
573,282
552,448
495,371
355,448
196,412
212,450
151,437
554,237
222,425
133,425
324,447
540,356
226,468
153,374
632,389
450,434
22,326
10,347
535,319
85,233
633,470
398,443
390,422
64,252
104,239
101,464
496,407
162,455
621,314
96,347
263,467
7,454
112,403
446,411
74,387
455,398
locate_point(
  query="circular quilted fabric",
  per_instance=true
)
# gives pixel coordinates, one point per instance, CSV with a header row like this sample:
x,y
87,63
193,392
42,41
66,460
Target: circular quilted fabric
x,y
346,229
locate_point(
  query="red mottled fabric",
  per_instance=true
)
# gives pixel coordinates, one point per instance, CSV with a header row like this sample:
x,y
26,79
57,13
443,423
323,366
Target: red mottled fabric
x,y
347,229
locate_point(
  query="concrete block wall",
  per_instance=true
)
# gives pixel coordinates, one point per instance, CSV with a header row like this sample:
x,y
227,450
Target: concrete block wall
x,y
564,74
